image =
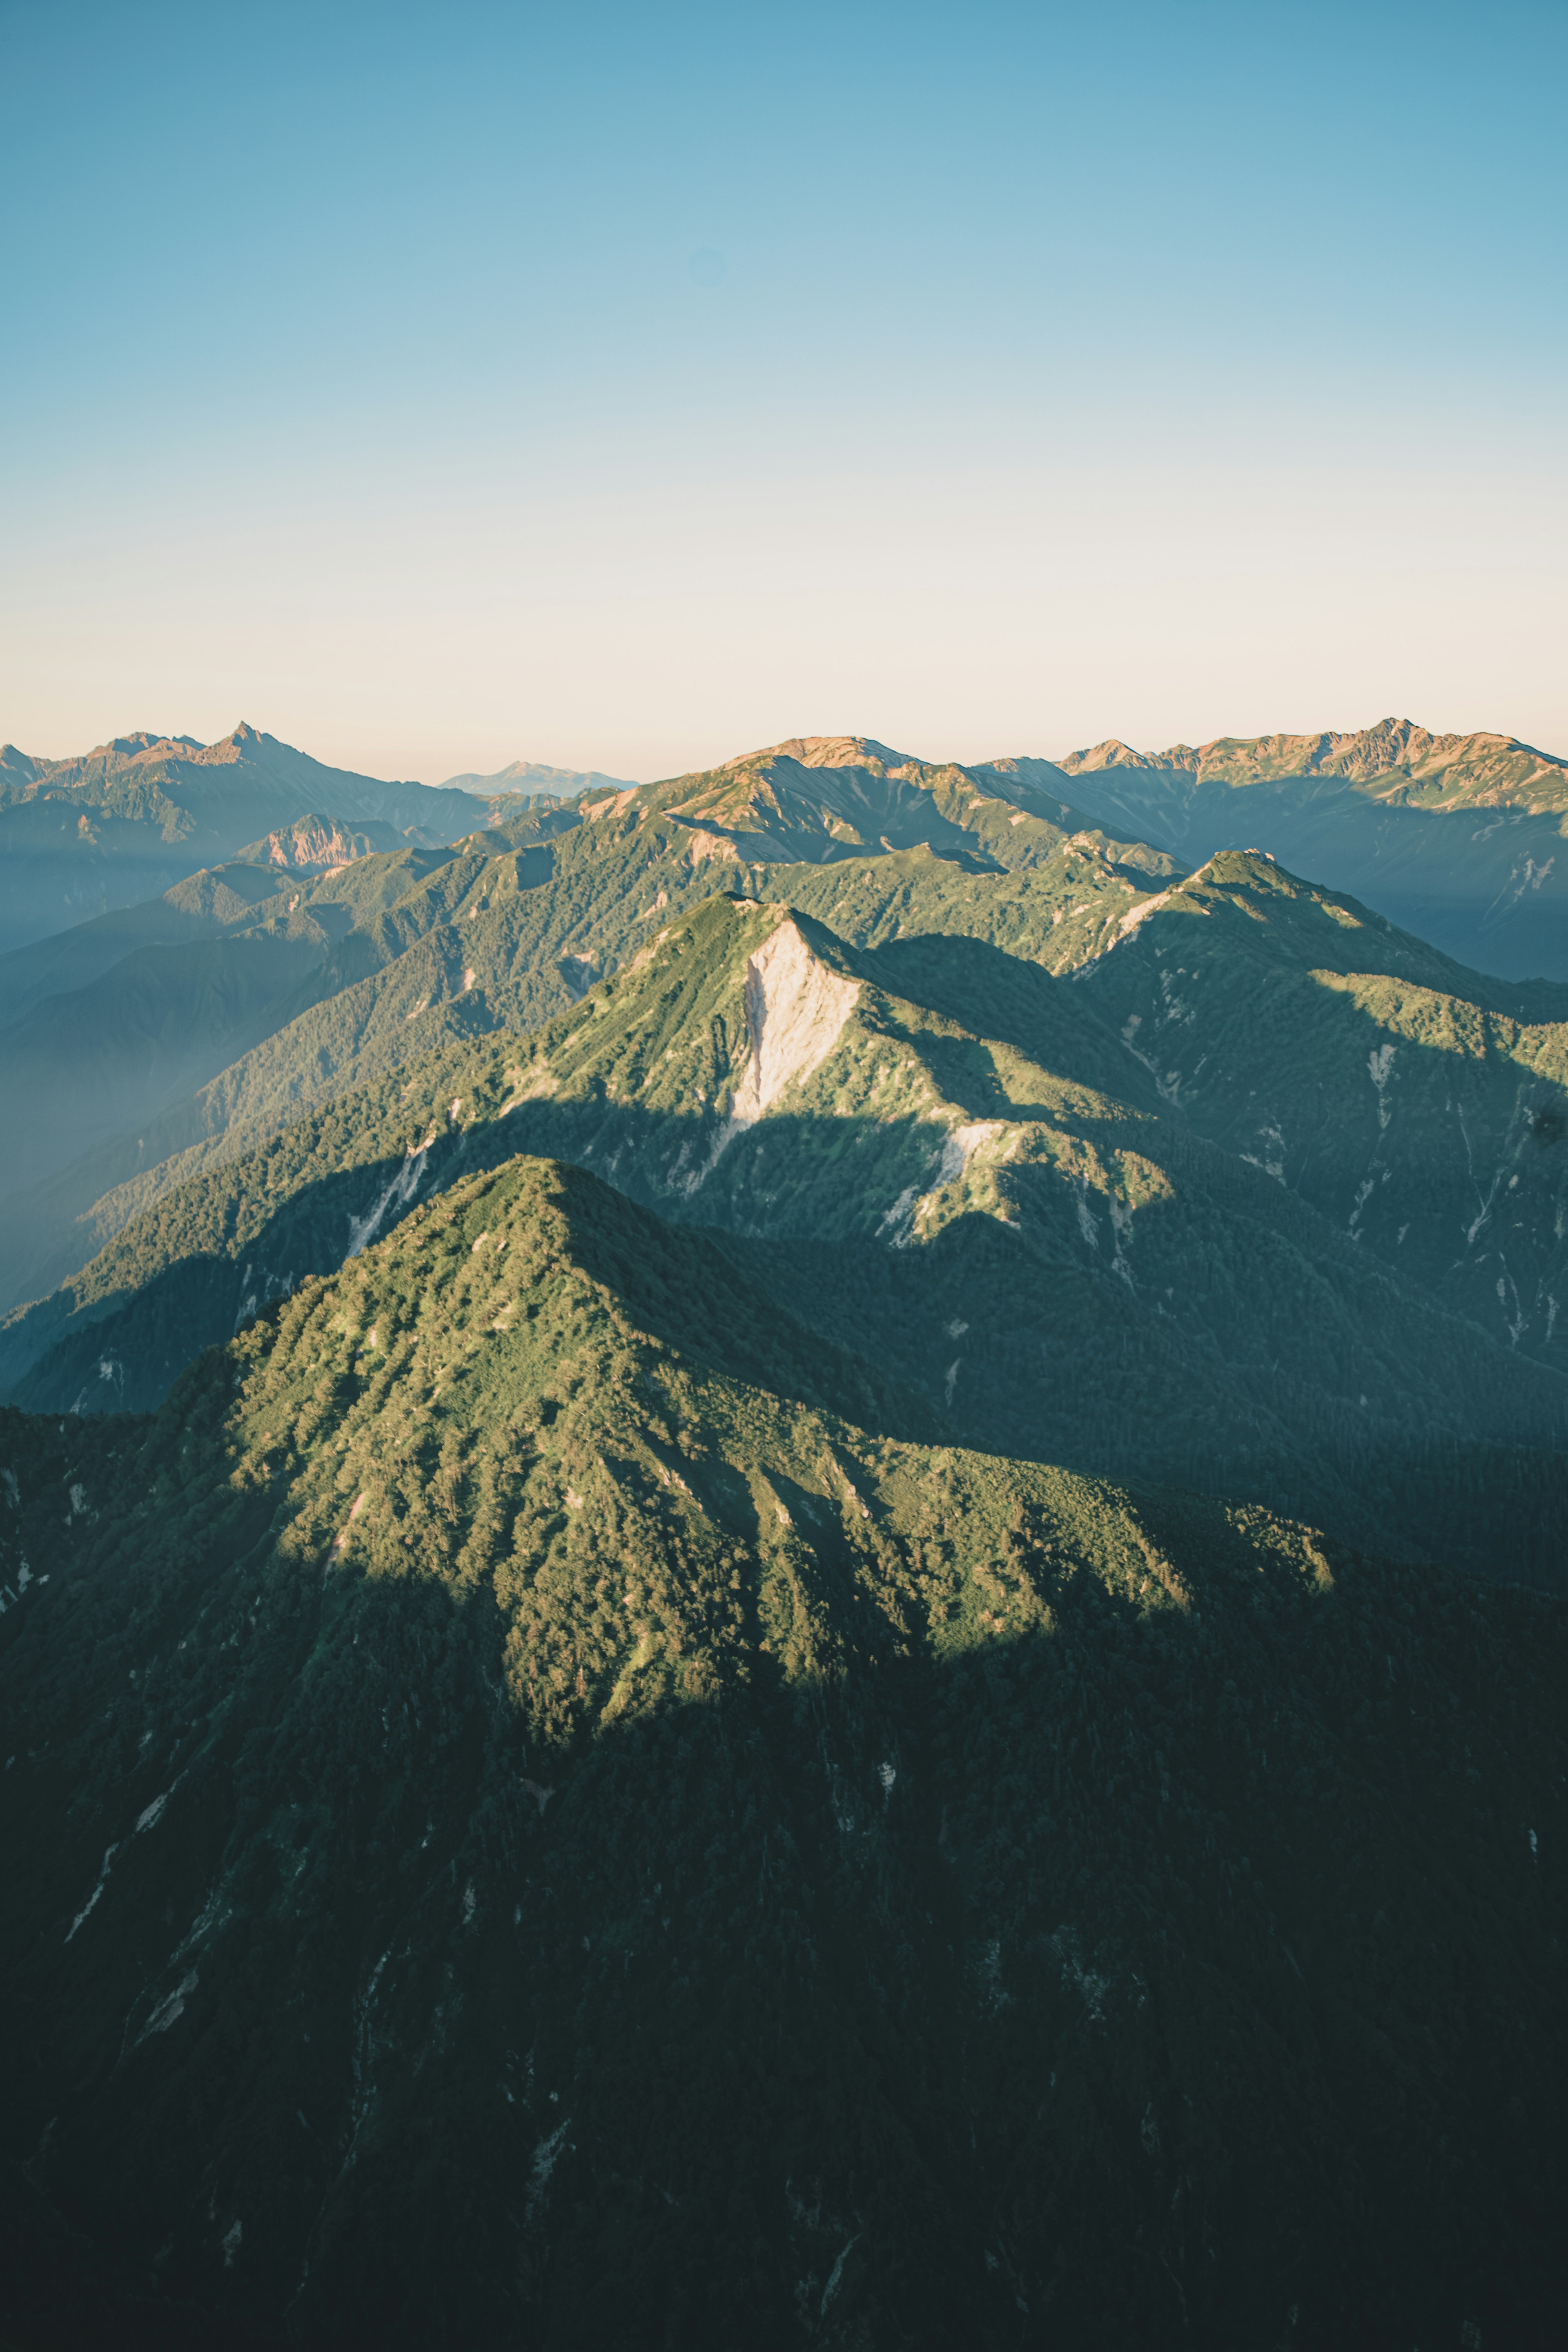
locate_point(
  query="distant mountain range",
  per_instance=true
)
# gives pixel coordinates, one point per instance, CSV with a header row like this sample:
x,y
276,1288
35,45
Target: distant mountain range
x,y
1458,838
532,776
79,837
800,1534
1461,838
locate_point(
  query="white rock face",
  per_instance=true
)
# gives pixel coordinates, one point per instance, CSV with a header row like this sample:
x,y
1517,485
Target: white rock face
x,y
795,1008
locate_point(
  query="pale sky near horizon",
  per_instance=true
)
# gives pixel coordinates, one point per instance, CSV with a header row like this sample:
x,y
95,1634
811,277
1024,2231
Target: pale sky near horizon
x,y
626,387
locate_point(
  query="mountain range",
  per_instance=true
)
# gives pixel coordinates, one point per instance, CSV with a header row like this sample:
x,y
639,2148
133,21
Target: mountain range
x,y
1456,837
81,836
533,776
783,1557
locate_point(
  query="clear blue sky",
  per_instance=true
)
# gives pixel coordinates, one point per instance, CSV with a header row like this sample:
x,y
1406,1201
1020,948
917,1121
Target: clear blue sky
x,y
627,387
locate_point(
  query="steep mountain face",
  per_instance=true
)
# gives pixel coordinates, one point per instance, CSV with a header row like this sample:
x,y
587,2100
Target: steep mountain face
x,y
818,798
1457,838
1422,1109
81,836
319,844
499,933
933,1150
537,1795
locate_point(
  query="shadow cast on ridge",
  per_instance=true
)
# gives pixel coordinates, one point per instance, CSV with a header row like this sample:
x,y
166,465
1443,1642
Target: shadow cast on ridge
x,y
1166,1971
1017,1339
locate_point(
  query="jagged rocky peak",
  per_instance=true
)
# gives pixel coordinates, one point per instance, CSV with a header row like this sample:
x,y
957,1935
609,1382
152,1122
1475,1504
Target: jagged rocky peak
x,y
319,844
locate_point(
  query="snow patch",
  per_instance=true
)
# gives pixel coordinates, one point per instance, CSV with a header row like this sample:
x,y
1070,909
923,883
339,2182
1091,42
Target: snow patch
x,y
1091,1986
1122,1233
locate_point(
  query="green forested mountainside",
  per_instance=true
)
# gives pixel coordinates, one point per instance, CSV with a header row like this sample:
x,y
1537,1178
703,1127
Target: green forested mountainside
x,y
514,1791
510,926
80,837
1065,1272
498,933
816,799
1457,838
1423,1110
1414,1103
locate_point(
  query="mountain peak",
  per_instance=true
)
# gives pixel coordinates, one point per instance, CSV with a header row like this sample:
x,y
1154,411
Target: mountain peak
x,y
1114,753
833,752
536,776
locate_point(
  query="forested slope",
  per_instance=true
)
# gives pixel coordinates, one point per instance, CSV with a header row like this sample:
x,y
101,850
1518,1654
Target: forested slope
x,y
1422,1108
532,1778
1064,1271
415,948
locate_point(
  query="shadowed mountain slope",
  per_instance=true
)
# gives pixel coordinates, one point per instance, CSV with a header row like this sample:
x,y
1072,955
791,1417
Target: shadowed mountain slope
x,y
1458,838
933,1152
516,1794
1421,1107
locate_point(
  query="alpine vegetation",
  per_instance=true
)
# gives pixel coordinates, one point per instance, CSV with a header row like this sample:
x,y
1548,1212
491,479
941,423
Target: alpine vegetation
x,y
783,1561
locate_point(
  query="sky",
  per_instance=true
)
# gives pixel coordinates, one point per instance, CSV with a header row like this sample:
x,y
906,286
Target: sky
x,y
628,387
